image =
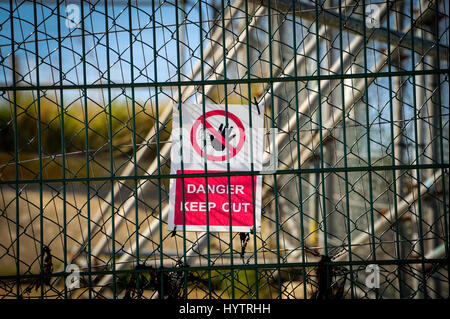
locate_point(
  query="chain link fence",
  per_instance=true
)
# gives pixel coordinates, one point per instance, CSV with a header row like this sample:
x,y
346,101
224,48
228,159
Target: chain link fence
x,y
357,90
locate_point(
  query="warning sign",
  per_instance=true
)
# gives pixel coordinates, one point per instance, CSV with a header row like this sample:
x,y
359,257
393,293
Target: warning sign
x,y
220,138
222,199
211,142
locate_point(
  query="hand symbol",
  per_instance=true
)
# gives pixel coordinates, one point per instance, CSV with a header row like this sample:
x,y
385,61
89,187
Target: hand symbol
x,y
215,143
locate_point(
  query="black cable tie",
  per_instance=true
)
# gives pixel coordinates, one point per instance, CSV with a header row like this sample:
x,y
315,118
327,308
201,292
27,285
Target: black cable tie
x,y
257,106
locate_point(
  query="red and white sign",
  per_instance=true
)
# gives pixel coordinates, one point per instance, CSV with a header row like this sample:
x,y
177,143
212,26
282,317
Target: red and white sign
x,y
223,142
206,141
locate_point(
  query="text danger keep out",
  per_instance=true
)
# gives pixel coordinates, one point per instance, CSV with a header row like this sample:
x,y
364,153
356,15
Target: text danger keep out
x,y
224,198
215,189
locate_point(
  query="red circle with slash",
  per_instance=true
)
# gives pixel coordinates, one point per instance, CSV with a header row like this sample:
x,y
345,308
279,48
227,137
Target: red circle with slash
x,y
233,150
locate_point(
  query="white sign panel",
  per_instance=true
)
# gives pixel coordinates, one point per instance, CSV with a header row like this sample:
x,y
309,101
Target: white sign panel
x,y
211,142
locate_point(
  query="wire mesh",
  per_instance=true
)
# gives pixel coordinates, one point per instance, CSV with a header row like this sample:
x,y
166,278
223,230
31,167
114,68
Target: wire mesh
x,y
358,91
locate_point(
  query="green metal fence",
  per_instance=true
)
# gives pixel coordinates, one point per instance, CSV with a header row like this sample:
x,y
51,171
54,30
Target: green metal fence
x,y
358,92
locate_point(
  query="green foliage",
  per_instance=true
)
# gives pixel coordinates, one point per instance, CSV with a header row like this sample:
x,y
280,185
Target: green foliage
x,y
94,128
98,121
244,283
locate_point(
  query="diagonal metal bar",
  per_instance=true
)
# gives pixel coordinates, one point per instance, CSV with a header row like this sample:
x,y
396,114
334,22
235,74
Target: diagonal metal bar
x,y
307,148
164,152
163,119
330,18
314,142
201,242
387,220
143,184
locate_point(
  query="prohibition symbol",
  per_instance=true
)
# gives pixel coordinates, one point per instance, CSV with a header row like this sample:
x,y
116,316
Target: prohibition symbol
x,y
217,136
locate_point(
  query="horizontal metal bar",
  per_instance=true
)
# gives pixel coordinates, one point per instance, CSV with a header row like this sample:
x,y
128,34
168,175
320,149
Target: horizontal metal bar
x,y
236,266
245,80
240,173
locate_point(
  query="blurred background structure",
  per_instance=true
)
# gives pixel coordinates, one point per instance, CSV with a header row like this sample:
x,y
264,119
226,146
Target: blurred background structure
x,y
359,93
